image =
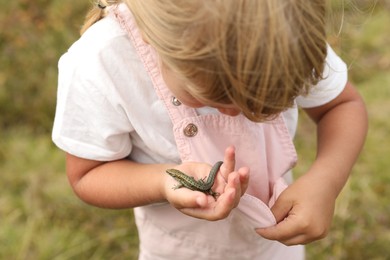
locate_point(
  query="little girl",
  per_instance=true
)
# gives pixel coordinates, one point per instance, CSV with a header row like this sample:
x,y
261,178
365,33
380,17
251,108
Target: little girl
x,y
159,84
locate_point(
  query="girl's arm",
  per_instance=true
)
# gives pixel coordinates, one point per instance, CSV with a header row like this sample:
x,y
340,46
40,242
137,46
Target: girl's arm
x,y
116,184
127,184
304,210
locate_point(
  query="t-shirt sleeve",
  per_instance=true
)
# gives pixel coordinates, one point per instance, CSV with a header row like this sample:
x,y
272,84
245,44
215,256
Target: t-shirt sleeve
x,y
90,122
335,78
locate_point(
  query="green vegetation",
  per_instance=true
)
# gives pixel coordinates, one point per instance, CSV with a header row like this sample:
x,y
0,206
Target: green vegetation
x,y
41,218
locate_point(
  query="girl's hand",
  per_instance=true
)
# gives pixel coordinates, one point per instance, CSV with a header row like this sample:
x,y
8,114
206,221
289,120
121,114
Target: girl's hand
x,y
230,185
303,212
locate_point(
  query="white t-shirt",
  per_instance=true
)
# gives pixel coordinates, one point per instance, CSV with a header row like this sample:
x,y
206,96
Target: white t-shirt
x,y
107,108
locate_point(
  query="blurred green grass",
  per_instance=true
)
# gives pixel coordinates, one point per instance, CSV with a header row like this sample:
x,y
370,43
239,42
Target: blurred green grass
x,y
40,217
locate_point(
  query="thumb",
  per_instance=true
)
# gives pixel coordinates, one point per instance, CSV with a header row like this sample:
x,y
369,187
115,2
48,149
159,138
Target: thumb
x,y
186,198
280,210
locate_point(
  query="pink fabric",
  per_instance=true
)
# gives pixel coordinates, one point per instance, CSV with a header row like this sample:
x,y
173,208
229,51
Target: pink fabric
x,y
164,232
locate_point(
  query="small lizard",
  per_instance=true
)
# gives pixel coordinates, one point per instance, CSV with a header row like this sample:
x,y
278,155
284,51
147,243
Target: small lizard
x,y
199,185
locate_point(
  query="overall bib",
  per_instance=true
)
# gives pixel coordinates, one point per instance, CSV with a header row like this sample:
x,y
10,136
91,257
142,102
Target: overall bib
x,y
166,233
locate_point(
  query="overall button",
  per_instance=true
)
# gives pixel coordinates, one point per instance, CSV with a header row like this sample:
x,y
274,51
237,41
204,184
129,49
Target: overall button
x,y
190,130
175,101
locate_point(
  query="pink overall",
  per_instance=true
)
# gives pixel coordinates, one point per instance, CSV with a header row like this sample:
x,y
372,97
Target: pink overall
x,y
166,233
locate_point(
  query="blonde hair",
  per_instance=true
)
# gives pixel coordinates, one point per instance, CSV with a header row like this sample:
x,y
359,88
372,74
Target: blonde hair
x,y
97,12
258,55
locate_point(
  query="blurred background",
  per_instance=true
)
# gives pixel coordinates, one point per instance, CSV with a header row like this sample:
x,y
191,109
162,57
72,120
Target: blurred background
x,y
40,217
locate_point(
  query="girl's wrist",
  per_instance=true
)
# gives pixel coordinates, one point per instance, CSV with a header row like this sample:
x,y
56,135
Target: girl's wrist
x,y
165,181
332,178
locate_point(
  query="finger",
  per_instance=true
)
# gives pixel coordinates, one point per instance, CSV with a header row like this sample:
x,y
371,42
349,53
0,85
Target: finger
x,y
288,240
281,208
244,179
224,206
215,210
285,230
229,161
185,198
235,183
297,240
